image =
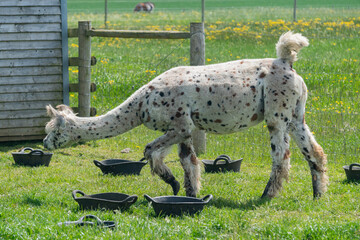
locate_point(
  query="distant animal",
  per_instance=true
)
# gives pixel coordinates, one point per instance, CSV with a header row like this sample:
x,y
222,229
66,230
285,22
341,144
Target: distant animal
x,y
145,6
220,98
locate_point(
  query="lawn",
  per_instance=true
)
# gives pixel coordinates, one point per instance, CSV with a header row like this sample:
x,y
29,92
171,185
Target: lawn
x,y
34,200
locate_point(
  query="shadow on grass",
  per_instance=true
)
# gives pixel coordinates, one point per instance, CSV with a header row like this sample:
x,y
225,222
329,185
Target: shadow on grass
x,y
32,201
15,146
251,204
346,181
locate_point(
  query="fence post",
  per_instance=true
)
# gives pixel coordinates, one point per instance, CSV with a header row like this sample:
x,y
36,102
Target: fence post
x,y
295,11
84,68
106,13
197,57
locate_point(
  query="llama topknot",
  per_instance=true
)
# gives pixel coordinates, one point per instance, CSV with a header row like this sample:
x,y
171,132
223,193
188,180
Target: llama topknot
x,y
289,45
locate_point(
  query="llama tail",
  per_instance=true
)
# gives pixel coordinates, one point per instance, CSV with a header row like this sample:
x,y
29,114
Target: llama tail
x,y
289,45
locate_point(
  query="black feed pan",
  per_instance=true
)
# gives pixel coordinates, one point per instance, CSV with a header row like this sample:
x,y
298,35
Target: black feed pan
x,y
32,157
176,205
106,201
353,172
222,163
120,166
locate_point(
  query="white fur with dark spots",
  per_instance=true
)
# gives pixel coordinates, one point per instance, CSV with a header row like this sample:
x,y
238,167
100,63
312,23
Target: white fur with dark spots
x,y
220,98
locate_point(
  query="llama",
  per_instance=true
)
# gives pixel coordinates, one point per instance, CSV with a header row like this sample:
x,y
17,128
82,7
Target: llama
x,y
220,98
144,6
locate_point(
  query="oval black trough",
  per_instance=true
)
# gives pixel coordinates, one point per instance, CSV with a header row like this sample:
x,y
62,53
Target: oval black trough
x,y
104,201
120,166
30,157
352,172
177,205
222,163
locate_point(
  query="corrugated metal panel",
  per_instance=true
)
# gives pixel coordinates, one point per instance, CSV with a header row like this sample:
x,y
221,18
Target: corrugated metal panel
x,y
32,65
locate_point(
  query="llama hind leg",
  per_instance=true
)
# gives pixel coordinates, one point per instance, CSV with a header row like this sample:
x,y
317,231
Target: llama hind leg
x,y
191,168
315,156
281,160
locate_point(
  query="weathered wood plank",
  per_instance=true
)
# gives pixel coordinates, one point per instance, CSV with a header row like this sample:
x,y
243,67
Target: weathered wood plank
x,y
11,106
31,88
30,122
5,3
30,53
23,114
8,11
5,81
30,71
21,138
22,97
37,62
29,45
138,34
31,19
29,36
23,131
30,27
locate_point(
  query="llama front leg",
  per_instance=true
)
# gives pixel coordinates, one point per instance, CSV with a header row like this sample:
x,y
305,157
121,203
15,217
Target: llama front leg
x,y
280,154
315,156
191,168
156,151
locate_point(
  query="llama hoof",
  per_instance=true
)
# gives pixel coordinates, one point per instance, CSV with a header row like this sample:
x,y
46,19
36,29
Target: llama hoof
x,y
147,152
266,191
317,195
191,194
175,186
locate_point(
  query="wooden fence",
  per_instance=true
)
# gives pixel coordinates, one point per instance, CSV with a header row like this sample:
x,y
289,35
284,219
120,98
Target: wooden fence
x,y
84,32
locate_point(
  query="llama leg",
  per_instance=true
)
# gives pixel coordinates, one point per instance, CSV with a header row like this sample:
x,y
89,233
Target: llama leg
x,y
156,151
314,154
280,154
191,168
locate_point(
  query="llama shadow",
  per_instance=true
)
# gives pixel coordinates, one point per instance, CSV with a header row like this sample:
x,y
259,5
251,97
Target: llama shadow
x,y
250,204
346,181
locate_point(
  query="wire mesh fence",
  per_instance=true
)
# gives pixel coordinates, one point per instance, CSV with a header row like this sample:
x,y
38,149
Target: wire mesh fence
x,y
333,79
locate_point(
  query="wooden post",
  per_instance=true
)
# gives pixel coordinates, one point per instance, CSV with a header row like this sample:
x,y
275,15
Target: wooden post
x,y
106,13
84,68
203,11
295,11
197,57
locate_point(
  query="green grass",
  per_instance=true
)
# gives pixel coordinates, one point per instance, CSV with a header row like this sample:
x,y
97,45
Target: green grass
x,y
185,5
34,200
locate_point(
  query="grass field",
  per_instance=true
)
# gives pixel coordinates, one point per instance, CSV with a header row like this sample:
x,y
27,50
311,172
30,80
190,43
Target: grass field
x,y
34,200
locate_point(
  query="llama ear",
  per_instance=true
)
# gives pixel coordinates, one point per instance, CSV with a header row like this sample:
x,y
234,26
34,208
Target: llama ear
x,y
51,111
64,108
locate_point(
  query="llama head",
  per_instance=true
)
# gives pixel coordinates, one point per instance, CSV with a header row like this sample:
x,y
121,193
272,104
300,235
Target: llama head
x,y
58,130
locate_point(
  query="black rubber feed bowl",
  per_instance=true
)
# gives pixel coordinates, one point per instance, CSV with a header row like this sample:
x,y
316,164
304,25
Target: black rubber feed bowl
x,y
30,157
352,172
222,163
120,166
104,201
176,205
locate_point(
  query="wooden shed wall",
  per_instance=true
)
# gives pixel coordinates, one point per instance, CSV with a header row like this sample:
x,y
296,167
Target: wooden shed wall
x,y
33,65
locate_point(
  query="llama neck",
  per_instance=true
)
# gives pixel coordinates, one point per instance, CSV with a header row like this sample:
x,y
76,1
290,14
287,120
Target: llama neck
x,y
115,122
